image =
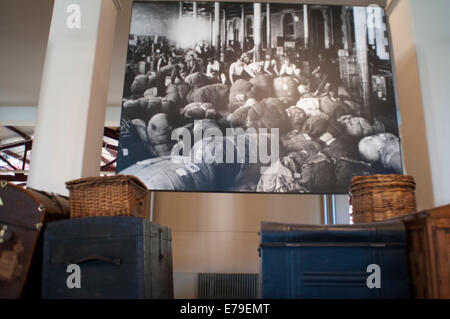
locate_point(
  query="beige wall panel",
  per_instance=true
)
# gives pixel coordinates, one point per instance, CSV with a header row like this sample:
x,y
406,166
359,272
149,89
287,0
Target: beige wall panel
x,y
233,212
215,252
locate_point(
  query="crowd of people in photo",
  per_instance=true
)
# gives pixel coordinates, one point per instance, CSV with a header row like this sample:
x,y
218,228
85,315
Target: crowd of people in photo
x,y
325,135
227,66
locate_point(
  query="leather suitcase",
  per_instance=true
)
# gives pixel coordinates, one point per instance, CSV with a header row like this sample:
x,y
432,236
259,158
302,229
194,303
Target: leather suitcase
x,y
428,234
331,261
118,257
23,213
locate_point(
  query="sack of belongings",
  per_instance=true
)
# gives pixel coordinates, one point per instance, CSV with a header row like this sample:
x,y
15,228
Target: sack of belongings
x,y
238,159
239,117
383,147
346,169
339,147
159,132
268,113
173,173
151,92
240,92
311,106
140,84
196,80
357,127
286,87
329,105
132,109
316,125
296,141
263,85
297,116
282,177
183,90
216,94
150,107
318,174
171,103
196,110
131,146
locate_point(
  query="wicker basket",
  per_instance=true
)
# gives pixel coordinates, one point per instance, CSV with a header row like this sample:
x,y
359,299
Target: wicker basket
x,y
380,197
108,196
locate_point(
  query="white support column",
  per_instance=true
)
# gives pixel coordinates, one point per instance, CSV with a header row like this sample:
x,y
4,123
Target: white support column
x,y
224,28
257,30
306,25
268,27
242,30
326,26
195,10
360,16
73,96
216,27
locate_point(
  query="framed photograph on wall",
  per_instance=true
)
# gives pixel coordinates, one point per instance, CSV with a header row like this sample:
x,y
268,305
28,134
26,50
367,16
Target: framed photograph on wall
x,y
211,103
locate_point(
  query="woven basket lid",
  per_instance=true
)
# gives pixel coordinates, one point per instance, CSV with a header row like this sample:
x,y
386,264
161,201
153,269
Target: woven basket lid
x,y
104,180
380,180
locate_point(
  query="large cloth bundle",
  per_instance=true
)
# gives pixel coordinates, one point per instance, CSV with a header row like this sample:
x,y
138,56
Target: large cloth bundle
x,y
196,80
357,127
311,106
347,168
316,125
297,117
150,107
263,85
329,105
240,92
268,113
318,174
197,110
170,105
216,94
282,177
132,109
159,131
183,90
237,159
131,146
383,147
140,84
296,141
239,117
173,173
286,87
340,147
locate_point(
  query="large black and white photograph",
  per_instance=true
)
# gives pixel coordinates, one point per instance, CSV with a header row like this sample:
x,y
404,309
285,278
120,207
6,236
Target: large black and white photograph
x,y
257,97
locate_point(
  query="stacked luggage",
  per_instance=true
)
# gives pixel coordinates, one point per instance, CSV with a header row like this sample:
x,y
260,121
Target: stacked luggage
x,y
109,248
105,246
366,261
23,215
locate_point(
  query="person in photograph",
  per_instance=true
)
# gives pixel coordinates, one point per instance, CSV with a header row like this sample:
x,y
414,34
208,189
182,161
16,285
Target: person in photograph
x,y
325,76
254,69
162,62
237,69
287,68
172,70
213,69
192,64
270,65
